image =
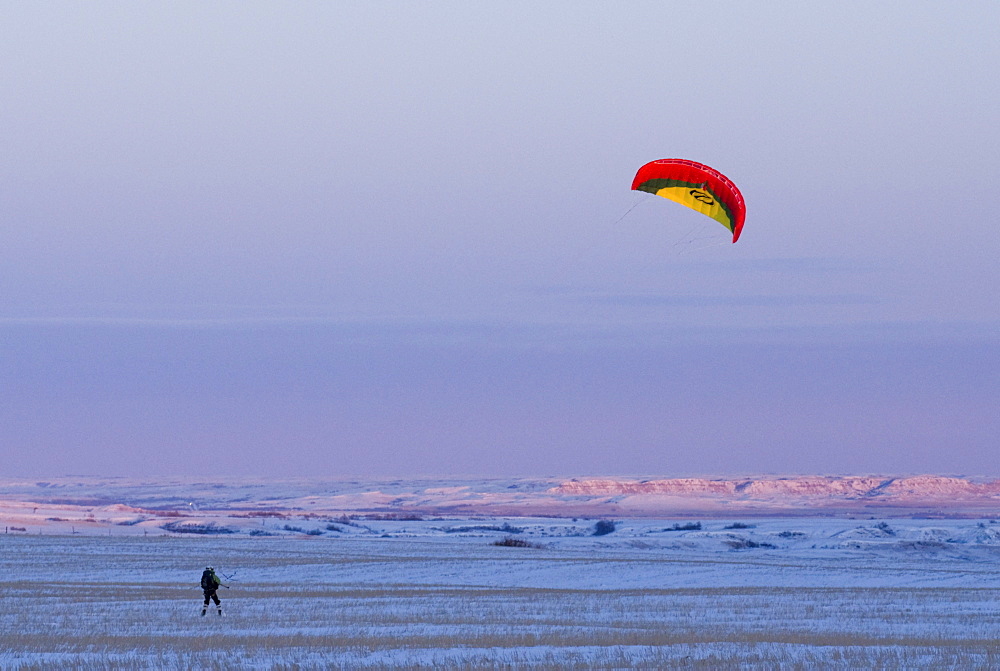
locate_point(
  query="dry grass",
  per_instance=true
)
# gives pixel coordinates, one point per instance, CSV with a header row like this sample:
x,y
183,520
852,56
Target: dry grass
x,y
88,621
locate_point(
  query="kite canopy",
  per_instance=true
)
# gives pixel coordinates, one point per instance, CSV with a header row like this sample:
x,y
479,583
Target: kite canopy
x,y
697,186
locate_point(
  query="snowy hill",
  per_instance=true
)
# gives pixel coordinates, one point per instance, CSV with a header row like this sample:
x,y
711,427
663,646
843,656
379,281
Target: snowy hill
x,y
89,502
808,490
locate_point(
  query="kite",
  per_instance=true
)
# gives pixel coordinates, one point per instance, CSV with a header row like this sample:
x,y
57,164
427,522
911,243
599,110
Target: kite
x,y
697,186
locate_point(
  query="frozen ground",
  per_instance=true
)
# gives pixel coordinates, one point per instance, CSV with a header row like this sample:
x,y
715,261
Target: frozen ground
x,y
437,593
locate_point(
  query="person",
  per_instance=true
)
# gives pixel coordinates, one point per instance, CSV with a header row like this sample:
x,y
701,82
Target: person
x,y
210,584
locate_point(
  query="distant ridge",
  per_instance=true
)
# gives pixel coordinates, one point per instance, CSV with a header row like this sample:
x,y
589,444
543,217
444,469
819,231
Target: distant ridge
x,y
794,493
796,487
801,495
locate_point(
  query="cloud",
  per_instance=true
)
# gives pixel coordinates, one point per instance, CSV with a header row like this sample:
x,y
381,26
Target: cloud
x,y
699,301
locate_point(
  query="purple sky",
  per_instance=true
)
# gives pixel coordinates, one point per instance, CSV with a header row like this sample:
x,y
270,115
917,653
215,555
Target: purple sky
x,y
383,239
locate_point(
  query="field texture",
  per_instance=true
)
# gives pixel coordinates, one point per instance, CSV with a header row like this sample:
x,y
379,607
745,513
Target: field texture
x,y
420,594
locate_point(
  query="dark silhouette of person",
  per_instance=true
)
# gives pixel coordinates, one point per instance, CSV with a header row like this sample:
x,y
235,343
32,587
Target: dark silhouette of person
x,y
210,584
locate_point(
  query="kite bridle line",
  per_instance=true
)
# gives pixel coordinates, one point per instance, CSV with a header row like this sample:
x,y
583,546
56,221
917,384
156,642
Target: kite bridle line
x,y
629,210
690,238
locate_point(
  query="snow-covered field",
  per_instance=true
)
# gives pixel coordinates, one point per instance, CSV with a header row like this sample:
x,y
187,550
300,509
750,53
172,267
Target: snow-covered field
x,y
436,592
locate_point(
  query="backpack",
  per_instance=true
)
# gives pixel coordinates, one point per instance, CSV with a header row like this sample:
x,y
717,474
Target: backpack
x,y
209,581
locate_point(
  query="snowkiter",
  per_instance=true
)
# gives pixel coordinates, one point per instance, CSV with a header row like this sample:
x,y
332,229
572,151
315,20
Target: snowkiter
x,y
210,584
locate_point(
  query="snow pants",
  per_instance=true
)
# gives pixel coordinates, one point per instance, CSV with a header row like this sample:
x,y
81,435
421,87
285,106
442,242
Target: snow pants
x,y
211,594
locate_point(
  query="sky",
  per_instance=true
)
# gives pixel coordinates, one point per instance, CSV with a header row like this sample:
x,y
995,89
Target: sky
x,y
381,239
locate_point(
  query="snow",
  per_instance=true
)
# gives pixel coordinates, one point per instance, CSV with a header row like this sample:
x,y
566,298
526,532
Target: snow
x,y
886,496
392,588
